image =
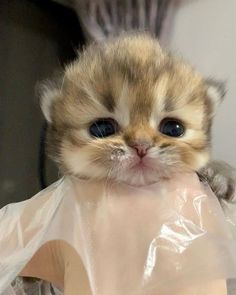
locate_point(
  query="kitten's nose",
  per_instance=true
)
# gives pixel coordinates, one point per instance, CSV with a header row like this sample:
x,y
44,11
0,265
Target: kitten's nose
x,y
141,149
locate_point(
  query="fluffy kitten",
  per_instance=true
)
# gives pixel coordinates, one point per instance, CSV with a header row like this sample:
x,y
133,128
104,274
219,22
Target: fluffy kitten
x,y
128,111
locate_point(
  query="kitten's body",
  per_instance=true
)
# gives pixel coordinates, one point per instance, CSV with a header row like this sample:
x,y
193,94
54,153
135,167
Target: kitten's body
x,y
137,86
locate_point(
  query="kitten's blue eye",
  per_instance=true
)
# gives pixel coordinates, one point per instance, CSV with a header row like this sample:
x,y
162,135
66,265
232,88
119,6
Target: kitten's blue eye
x,y
103,128
172,127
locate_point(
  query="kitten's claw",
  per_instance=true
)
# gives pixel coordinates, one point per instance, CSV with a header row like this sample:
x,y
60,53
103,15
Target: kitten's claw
x,y
222,179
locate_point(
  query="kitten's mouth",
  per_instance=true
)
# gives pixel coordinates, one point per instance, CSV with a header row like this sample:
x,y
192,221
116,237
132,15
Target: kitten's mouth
x,y
142,173
141,166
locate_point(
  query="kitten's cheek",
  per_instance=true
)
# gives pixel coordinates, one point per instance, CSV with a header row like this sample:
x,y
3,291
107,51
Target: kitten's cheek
x,y
78,161
195,160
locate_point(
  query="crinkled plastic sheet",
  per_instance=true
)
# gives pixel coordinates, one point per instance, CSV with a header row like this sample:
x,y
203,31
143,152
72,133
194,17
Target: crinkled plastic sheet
x,y
121,240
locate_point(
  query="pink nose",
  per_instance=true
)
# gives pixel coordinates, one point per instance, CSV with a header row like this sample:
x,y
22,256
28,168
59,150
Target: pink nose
x,y
141,149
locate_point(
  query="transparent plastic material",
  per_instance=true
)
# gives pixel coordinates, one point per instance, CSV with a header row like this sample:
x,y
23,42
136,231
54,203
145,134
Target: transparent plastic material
x,y
102,238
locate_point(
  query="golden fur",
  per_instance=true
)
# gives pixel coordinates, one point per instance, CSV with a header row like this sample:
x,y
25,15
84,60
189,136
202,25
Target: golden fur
x,y
132,80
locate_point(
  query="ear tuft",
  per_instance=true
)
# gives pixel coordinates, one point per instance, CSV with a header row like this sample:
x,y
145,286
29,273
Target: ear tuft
x,y
48,92
216,91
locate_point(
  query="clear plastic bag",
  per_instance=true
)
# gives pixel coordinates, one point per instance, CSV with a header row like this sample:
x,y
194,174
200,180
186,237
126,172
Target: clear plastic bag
x,y
102,238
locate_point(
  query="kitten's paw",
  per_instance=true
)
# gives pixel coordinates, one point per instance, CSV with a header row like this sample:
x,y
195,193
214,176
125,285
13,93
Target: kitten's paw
x,y
222,179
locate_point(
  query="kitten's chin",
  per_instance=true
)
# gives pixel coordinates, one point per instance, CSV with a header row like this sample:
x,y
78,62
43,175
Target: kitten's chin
x,y
145,175
138,179
141,178
138,183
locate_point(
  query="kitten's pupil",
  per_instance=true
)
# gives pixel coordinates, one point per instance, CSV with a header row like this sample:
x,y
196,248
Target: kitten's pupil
x,y
103,128
172,128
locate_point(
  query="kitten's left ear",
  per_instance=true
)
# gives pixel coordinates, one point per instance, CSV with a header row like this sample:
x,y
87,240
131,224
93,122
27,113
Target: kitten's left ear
x,y
216,91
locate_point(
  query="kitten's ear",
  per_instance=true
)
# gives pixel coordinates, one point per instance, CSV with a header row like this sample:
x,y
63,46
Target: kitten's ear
x,y
48,92
216,91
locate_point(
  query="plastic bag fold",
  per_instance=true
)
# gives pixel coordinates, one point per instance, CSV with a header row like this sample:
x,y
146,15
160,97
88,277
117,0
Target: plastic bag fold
x,y
123,240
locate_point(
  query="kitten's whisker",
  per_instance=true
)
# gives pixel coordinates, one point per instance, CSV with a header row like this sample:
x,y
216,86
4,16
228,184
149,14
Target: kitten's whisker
x,y
108,176
158,150
96,146
99,130
94,160
119,170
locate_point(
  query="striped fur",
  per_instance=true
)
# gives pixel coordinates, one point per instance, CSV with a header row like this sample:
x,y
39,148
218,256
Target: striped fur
x,y
132,80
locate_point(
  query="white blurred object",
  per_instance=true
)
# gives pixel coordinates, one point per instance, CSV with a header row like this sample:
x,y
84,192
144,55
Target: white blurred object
x,y
104,18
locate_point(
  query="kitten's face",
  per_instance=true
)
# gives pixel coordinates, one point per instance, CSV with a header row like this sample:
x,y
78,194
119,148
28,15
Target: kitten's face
x,y
129,112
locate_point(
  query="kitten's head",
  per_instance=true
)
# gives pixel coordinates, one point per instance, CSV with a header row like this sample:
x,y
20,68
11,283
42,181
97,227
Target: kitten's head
x,y
128,111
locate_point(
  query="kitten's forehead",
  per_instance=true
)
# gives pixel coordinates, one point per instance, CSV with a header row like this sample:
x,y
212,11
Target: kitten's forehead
x,y
150,98
133,79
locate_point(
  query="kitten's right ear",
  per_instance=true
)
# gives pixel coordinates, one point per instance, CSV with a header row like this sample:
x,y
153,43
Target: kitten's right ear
x,y
215,91
48,93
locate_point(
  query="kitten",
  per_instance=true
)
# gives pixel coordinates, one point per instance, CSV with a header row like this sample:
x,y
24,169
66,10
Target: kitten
x,y
128,111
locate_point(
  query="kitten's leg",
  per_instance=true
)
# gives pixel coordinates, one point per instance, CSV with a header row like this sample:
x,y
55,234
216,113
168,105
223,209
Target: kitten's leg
x,y
222,179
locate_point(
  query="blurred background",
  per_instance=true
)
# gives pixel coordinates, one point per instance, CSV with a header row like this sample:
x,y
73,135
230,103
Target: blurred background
x,y
38,38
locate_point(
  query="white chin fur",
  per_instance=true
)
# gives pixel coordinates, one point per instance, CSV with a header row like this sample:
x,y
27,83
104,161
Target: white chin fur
x,y
139,178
